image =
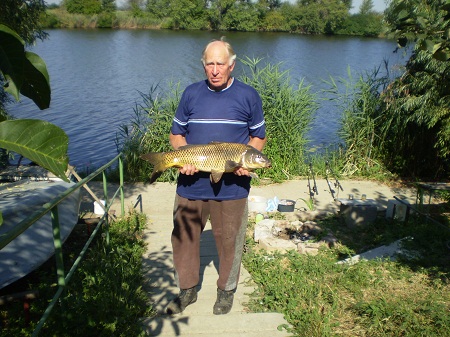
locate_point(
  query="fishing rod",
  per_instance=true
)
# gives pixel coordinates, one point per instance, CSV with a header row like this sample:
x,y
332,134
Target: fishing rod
x,y
337,184
314,188
328,182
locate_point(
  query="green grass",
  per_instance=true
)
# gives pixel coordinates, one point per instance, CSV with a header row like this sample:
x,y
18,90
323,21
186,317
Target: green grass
x,y
105,296
409,297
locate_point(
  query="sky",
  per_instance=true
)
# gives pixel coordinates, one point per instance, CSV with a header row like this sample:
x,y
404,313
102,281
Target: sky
x,y
378,5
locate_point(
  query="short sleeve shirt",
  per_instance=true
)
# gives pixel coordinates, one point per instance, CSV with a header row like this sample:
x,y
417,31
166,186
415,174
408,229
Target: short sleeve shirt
x,y
203,116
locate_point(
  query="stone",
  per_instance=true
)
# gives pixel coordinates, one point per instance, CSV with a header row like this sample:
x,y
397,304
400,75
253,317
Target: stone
x,y
273,244
310,248
263,229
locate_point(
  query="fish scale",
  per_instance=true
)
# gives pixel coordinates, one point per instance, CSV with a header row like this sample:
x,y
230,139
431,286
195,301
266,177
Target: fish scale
x,y
215,157
207,158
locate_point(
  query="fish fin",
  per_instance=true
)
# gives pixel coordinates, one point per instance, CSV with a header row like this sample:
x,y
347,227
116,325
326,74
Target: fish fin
x,y
254,175
155,175
156,159
153,157
215,176
230,165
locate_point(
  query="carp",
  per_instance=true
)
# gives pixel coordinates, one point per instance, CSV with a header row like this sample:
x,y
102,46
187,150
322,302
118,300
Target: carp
x,y
215,157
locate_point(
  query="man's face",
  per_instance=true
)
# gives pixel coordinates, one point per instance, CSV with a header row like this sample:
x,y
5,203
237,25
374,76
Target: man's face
x,y
217,66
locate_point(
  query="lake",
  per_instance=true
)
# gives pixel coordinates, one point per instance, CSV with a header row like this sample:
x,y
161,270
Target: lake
x,y
97,75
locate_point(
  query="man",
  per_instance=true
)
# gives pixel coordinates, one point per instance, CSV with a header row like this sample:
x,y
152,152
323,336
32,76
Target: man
x,y
220,109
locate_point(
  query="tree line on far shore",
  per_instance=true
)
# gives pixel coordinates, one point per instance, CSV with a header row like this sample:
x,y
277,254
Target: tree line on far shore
x,y
330,17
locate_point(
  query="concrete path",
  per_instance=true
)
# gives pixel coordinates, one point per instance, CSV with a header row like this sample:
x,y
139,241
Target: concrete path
x,y
198,319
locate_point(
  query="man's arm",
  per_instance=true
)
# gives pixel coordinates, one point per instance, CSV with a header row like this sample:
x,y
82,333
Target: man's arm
x,y
176,141
257,143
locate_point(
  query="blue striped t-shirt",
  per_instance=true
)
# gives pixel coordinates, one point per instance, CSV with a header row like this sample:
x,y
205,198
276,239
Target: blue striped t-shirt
x,y
231,115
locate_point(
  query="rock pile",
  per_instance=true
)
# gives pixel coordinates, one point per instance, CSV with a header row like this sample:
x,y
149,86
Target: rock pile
x,y
306,237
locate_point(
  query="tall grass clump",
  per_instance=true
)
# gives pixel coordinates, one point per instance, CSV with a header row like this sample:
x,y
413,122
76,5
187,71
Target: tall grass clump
x,y
360,123
148,131
288,113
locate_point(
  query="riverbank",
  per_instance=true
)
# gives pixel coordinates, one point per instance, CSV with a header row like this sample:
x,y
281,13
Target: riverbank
x,y
256,20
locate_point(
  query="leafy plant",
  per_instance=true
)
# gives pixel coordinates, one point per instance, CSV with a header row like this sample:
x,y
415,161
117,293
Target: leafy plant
x,y
309,203
426,23
26,73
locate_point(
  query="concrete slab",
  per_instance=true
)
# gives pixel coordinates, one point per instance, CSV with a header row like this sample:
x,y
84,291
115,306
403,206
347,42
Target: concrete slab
x,y
237,324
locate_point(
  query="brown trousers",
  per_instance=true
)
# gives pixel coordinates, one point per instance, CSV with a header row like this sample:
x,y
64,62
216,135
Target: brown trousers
x,y
228,222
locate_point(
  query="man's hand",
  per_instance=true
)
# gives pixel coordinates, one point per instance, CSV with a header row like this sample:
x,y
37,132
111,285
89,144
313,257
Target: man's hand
x,y
188,169
240,171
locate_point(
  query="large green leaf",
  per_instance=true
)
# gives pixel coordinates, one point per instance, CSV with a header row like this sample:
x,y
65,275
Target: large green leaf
x,y
36,80
11,60
42,142
25,72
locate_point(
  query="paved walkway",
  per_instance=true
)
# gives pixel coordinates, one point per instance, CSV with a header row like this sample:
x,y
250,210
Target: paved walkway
x,y
198,319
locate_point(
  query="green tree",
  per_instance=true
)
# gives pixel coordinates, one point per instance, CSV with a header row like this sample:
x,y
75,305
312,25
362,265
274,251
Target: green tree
x,y
158,8
370,24
317,17
87,7
417,104
109,6
270,4
23,17
136,7
366,7
188,14
242,16
217,10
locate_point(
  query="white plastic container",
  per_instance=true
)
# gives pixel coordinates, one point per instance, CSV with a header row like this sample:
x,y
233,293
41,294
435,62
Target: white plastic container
x,y
257,204
98,210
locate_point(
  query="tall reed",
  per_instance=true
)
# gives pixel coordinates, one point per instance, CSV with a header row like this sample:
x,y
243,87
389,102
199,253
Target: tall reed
x,y
148,132
359,100
288,112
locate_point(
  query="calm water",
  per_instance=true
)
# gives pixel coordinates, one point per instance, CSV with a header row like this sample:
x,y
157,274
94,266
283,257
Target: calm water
x,y
96,76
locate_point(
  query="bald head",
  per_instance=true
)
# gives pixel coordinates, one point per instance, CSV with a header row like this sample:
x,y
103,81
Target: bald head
x,y
231,55
218,62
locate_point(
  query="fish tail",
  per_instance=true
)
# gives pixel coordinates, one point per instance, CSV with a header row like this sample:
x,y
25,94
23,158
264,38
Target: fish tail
x,y
157,160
